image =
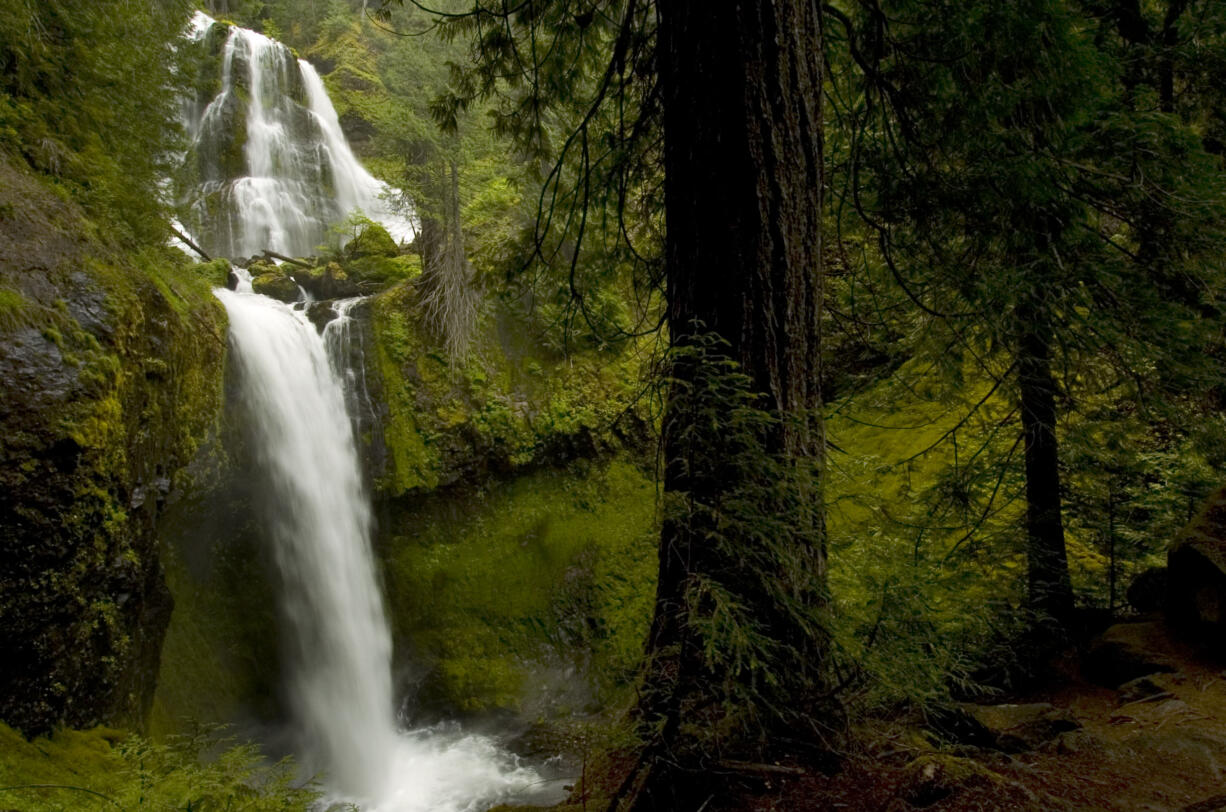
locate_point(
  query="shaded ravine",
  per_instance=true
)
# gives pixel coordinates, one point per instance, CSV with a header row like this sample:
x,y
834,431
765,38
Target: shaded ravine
x,y
338,661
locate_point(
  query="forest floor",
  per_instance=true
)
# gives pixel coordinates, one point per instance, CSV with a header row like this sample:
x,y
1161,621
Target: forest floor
x,y
1157,743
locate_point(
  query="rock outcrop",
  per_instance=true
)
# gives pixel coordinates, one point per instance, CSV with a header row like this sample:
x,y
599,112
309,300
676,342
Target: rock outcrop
x,y
1127,651
1196,571
112,365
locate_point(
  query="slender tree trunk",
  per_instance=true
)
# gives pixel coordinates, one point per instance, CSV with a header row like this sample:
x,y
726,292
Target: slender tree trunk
x,y
1166,62
1050,588
742,87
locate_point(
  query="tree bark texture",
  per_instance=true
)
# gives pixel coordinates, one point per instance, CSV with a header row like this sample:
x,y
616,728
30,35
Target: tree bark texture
x,y
742,89
1050,587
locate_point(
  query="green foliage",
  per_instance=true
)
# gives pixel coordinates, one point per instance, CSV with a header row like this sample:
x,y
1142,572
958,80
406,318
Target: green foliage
x,y
87,97
105,769
743,616
1001,171
509,404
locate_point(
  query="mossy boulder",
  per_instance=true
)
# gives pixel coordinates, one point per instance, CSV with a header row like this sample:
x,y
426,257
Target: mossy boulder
x,y
1196,572
324,282
112,363
379,271
371,240
215,272
276,284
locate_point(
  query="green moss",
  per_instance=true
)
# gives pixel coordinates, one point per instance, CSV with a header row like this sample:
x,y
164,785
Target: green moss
x,y
13,308
138,392
384,270
215,663
553,567
276,284
371,240
507,406
216,272
414,465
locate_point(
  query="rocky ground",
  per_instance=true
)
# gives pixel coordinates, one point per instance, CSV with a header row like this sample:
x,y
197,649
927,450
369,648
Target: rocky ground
x,y
1138,724
1125,741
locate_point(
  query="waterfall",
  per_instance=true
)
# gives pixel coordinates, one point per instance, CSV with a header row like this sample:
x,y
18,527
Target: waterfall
x,y
319,523
346,345
269,167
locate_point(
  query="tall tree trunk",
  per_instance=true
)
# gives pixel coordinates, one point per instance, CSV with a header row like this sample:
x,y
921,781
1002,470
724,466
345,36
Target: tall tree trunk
x,y
1050,588
1166,60
742,88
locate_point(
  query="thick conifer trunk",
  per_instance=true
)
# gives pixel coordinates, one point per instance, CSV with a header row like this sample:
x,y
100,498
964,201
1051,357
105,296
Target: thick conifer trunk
x,y
742,89
1050,587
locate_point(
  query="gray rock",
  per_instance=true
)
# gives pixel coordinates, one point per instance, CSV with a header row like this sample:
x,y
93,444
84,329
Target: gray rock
x,y
1196,572
1127,651
1148,688
1018,728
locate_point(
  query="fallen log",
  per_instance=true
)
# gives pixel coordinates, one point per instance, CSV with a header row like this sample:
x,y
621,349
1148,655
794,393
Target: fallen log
x,y
183,238
284,258
751,767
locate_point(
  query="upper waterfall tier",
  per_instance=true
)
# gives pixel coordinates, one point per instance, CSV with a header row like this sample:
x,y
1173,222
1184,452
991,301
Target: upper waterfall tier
x,y
269,167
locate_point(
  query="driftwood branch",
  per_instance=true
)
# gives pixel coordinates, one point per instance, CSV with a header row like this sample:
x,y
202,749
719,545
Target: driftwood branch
x,y
284,258
188,242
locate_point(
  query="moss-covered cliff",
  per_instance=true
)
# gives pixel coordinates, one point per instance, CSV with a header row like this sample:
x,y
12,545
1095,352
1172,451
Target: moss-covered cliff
x,y
112,362
516,529
512,404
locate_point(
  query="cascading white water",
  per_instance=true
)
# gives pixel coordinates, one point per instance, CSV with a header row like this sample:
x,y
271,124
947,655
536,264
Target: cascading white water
x,y
272,168
339,680
345,342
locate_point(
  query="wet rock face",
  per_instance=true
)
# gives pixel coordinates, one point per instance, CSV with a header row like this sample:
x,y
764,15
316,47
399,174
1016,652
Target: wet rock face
x,y
108,388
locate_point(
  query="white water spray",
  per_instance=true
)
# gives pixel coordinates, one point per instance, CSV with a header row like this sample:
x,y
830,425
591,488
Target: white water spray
x,y
340,686
273,167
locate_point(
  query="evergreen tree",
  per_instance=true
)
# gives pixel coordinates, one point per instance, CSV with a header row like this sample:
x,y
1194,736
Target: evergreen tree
x,y
1015,191
88,97
737,646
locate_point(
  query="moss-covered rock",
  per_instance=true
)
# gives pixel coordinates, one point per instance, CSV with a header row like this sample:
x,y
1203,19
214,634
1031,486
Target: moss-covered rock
x,y
371,240
510,405
219,661
532,594
276,284
324,282
112,365
381,270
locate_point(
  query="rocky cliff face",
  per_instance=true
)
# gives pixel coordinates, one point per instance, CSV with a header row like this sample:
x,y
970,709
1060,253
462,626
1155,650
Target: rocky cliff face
x,y
112,365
